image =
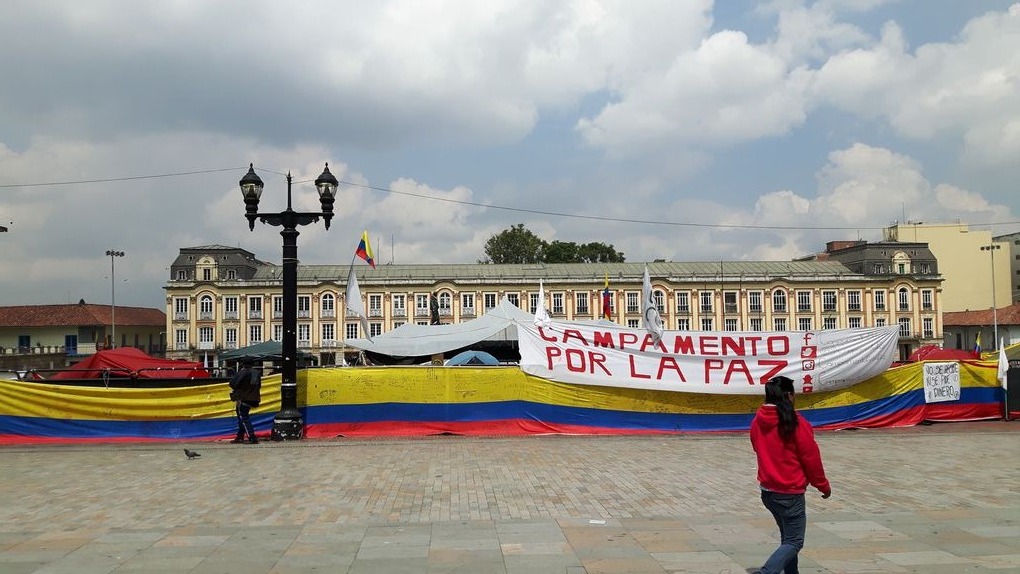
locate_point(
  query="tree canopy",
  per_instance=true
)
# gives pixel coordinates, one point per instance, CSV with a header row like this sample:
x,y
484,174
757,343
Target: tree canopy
x,y
520,245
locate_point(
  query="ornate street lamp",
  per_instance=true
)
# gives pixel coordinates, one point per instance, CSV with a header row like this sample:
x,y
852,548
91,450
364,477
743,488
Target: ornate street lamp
x,y
288,423
113,297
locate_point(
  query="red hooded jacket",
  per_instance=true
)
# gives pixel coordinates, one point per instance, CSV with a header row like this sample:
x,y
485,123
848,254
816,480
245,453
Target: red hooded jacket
x,y
786,466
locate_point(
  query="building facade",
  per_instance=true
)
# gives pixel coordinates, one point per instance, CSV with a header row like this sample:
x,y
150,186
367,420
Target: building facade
x,y
221,298
975,277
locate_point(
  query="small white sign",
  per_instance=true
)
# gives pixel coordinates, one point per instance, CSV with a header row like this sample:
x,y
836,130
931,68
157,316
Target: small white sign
x,y
941,382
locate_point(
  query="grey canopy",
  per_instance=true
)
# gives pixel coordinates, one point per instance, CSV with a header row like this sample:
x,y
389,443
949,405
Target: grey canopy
x,y
410,340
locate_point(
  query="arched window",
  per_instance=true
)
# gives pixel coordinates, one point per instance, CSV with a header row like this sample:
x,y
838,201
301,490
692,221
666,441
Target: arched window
x,y
205,306
779,300
328,304
903,295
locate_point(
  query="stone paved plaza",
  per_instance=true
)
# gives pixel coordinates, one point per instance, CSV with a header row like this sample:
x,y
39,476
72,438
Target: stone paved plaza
x,y
931,499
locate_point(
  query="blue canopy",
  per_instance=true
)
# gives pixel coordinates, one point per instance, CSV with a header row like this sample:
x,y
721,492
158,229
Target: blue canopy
x,y
472,358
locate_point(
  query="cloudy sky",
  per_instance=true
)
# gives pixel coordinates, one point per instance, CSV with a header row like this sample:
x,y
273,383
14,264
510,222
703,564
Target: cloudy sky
x,y
686,131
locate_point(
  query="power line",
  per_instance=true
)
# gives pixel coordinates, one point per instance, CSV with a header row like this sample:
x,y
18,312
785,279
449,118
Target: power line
x,y
501,207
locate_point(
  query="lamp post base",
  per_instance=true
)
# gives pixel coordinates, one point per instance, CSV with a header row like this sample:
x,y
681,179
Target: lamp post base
x,y
288,425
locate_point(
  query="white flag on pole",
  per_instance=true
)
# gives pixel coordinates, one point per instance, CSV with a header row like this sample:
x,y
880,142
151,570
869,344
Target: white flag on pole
x,y
354,303
650,311
1003,365
541,315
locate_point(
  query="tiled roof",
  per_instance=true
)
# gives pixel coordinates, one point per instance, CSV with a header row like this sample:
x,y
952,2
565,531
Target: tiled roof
x,y
983,317
80,315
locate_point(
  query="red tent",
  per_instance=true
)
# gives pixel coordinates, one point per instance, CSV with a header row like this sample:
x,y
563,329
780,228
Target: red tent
x,y
936,353
131,362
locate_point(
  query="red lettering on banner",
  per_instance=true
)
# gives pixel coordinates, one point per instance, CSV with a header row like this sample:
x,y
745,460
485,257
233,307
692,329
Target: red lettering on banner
x,y
669,363
627,339
550,354
683,345
569,334
777,366
712,365
738,366
778,346
541,333
633,370
649,342
603,339
708,346
577,361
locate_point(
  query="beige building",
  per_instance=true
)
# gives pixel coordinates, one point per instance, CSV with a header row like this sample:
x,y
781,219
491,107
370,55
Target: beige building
x,y
221,298
966,262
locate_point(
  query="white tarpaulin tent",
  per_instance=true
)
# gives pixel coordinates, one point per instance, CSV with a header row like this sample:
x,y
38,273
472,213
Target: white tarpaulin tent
x,y
422,340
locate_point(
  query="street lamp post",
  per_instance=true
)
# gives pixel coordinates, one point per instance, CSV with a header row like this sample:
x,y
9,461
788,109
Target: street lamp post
x,y
288,423
995,312
113,297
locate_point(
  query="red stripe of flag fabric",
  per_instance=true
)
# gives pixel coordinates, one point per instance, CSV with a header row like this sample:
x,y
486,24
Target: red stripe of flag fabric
x,y
364,250
607,305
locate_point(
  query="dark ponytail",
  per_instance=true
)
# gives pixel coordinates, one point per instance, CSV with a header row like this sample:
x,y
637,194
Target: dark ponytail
x,y
779,392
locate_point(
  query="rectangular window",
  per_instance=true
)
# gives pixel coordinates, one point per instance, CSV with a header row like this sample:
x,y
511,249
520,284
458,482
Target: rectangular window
x,y
255,308
328,333
803,302
632,324
230,308
754,301
779,301
421,305
779,323
904,300
853,301
182,275
829,323
633,302
756,324
804,323
927,299
828,301
880,322
683,302
467,303
853,322
706,301
375,305
180,308
231,275
730,325
489,300
230,338
924,268
205,337
730,301
277,332
207,275
706,323
375,329
557,303
254,334
904,326
304,306
581,303
304,335
514,299
928,326
399,305
277,307
533,302
683,324
879,300
181,339
351,330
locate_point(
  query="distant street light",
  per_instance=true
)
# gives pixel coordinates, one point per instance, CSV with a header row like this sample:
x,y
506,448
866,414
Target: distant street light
x,y
995,312
113,297
288,423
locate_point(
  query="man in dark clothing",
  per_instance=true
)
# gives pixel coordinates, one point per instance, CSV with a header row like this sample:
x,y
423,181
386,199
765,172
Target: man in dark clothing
x,y
245,391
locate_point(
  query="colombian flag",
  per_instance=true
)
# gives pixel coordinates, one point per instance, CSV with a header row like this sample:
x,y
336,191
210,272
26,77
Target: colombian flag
x,y
977,345
364,250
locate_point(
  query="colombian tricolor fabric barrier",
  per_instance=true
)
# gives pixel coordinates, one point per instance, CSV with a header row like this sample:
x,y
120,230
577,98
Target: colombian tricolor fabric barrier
x,y
419,401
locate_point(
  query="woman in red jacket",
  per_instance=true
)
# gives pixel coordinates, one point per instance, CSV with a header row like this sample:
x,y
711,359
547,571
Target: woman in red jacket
x,y
788,460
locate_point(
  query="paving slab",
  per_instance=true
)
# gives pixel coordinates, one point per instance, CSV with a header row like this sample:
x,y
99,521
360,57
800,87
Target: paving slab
x,y
926,499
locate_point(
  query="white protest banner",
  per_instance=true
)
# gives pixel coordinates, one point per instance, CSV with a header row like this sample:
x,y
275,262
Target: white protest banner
x,y
941,382
721,362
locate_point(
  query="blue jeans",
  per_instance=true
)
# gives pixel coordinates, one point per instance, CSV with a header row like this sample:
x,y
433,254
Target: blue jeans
x,y
788,510
244,421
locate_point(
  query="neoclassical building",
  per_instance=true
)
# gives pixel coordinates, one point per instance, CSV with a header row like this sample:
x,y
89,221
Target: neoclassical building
x,y
220,298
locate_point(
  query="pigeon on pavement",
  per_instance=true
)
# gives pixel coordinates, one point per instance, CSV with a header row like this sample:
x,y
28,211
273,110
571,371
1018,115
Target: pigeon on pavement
x,y
191,454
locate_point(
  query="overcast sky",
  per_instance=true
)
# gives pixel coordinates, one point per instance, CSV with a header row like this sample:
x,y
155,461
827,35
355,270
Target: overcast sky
x,y
686,131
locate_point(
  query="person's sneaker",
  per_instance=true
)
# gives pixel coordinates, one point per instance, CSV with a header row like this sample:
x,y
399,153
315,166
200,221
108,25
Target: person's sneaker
x,y
237,441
